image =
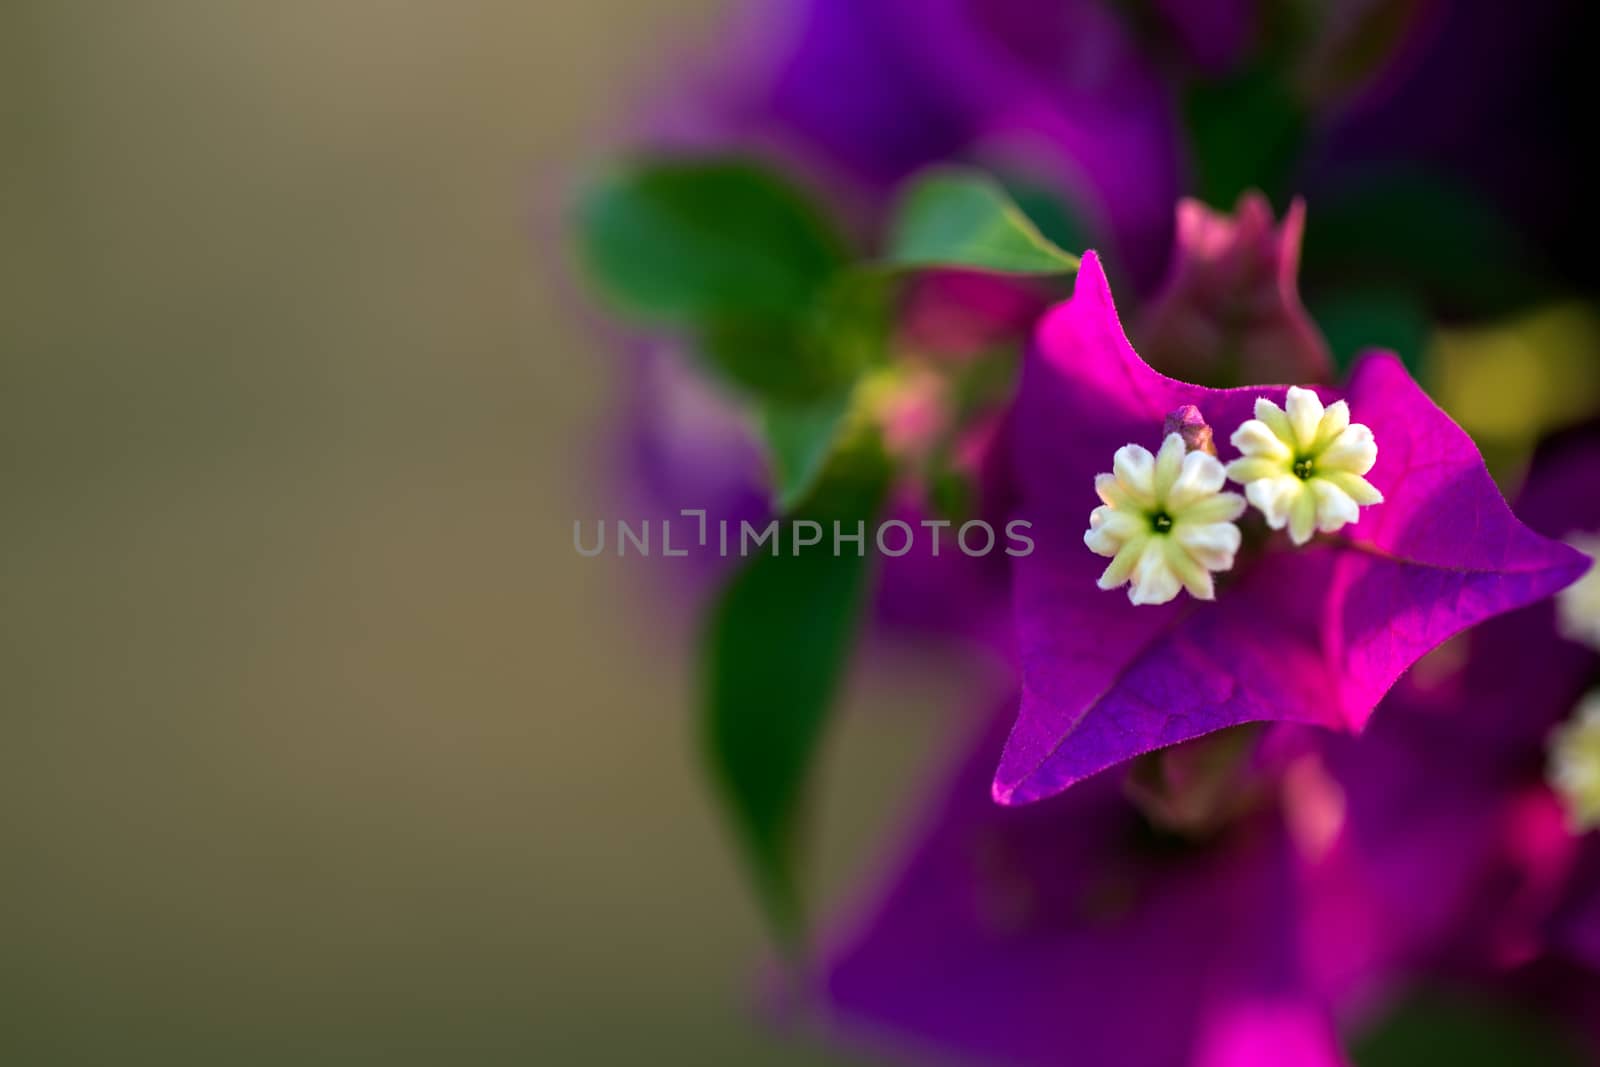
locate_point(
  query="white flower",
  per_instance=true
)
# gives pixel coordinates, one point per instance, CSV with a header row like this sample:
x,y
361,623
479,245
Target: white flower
x,y
1165,523
1302,464
1578,605
1574,767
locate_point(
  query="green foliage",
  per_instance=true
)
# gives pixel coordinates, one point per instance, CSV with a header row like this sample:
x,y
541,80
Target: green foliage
x,y
692,241
800,439
775,650
736,259
961,218
729,251
1045,207
850,328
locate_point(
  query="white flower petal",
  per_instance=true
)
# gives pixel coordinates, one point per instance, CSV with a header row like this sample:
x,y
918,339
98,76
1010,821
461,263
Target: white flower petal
x,y
1169,462
1153,579
1276,421
1353,450
1135,468
1121,566
1213,545
1109,529
1334,420
1356,487
1110,491
1200,476
1195,578
1303,515
1304,409
1224,507
1335,508
1250,469
1275,497
1255,438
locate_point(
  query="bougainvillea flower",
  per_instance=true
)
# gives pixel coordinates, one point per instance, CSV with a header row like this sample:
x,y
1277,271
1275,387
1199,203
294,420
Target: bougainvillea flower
x,y
1313,635
1230,310
1303,464
1164,521
1449,789
1070,932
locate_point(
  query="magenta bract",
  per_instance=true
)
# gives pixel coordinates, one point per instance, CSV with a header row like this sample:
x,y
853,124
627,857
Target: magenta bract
x,y
1314,635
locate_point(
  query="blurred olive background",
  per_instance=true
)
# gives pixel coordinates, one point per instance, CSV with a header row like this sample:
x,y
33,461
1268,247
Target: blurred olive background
x,y
321,745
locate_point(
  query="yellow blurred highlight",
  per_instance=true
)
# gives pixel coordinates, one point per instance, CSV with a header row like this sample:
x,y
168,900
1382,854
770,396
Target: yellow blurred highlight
x,y
1510,383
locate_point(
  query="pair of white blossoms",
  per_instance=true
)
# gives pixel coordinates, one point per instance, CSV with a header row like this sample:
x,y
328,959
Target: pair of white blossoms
x,y
1168,525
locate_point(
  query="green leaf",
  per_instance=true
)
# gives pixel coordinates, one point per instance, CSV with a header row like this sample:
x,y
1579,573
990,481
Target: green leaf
x,y
767,358
775,652
1041,201
956,218
697,241
850,329
740,259
1465,1032
800,439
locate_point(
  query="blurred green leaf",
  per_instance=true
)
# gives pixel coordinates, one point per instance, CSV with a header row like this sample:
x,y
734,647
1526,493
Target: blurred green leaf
x,y
1354,320
952,493
1041,201
957,218
1422,233
693,241
763,357
850,328
814,357
800,438
852,321
775,651
1244,133
1465,1032
729,251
